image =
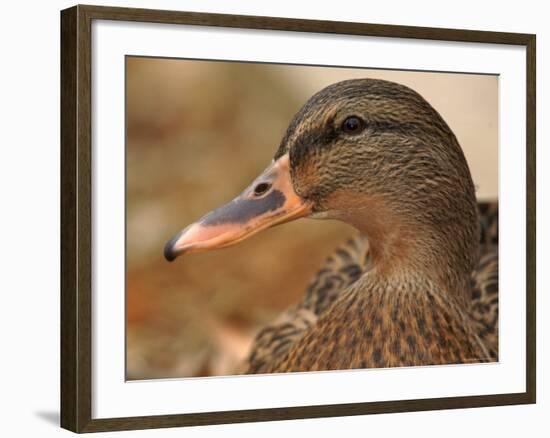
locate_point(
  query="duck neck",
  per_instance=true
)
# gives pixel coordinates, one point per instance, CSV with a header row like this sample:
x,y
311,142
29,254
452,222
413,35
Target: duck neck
x,y
404,248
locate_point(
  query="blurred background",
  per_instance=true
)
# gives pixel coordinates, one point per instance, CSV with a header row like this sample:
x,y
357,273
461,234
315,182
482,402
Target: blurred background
x,y
198,132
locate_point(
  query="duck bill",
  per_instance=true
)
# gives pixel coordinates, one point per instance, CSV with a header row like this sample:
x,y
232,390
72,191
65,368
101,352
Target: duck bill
x,y
270,200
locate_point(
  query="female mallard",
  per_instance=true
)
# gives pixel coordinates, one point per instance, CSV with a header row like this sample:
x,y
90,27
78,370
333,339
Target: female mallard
x,y
376,155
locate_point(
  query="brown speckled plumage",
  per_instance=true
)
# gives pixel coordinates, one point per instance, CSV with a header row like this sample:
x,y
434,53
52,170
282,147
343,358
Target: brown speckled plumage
x,y
339,271
405,297
344,267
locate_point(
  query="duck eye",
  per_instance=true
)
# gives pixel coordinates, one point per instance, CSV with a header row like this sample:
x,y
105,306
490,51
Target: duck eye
x,y
352,125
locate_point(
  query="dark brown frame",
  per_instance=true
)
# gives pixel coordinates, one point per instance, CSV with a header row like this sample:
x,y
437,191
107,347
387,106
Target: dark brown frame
x,y
76,238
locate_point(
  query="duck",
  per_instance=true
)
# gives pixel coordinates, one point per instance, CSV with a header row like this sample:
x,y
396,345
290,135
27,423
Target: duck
x,y
376,155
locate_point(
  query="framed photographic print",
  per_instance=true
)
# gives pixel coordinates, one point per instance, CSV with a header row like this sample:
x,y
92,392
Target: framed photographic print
x,y
268,218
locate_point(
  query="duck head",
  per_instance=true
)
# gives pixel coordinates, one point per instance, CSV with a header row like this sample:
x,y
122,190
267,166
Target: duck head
x,y
371,153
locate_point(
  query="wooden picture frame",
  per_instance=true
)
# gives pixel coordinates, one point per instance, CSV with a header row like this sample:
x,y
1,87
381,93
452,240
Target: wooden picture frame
x,y
76,217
